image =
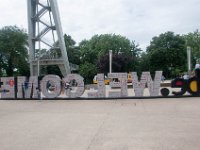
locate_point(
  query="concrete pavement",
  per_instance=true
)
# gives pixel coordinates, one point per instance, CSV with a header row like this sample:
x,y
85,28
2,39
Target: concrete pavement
x,y
152,124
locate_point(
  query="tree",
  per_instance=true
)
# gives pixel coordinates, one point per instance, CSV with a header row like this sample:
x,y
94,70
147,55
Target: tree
x,y
95,51
13,51
120,63
193,40
167,52
99,45
73,51
143,63
88,71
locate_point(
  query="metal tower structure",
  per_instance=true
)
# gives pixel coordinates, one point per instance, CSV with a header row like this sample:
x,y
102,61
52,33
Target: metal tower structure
x,y
46,41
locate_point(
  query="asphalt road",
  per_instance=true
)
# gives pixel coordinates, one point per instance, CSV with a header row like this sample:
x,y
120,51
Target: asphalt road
x,y
151,124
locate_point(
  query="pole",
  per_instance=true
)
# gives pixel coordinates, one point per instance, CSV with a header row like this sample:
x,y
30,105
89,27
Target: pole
x,y
189,60
39,46
110,61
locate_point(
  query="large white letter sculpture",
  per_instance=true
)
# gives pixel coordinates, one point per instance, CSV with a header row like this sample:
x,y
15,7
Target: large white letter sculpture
x,y
101,88
80,85
122,77
8,87
153,86
27,88
20,86
51,86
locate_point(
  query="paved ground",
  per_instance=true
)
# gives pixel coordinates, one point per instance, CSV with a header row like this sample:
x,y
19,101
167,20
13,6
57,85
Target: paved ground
x,y
160,124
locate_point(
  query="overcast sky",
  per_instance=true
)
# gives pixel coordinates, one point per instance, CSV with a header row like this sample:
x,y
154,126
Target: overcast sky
x,y
138,20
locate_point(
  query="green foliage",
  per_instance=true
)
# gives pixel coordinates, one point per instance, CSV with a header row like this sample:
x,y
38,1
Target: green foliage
x,y
73,51
121,63
54,69
167,52
143,63
13,51
99,45
88,71
96,50
193,40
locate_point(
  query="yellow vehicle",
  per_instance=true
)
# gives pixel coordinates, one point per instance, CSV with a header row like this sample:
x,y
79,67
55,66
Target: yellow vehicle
x,y
106,80
129,78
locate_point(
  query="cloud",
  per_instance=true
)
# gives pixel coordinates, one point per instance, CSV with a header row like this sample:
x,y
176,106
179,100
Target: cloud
x,y
13,13
137,20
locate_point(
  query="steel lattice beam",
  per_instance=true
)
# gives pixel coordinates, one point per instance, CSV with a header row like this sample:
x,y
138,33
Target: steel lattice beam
x,y
38,28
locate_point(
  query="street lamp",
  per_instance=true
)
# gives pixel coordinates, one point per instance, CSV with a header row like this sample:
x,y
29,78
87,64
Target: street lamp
x,y
189,60
110,61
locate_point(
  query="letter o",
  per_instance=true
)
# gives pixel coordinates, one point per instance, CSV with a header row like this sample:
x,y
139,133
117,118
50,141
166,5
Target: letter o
x,y
80,85
51,86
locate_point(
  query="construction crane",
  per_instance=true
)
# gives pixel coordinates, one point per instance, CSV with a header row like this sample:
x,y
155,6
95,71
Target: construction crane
x,y
46,41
